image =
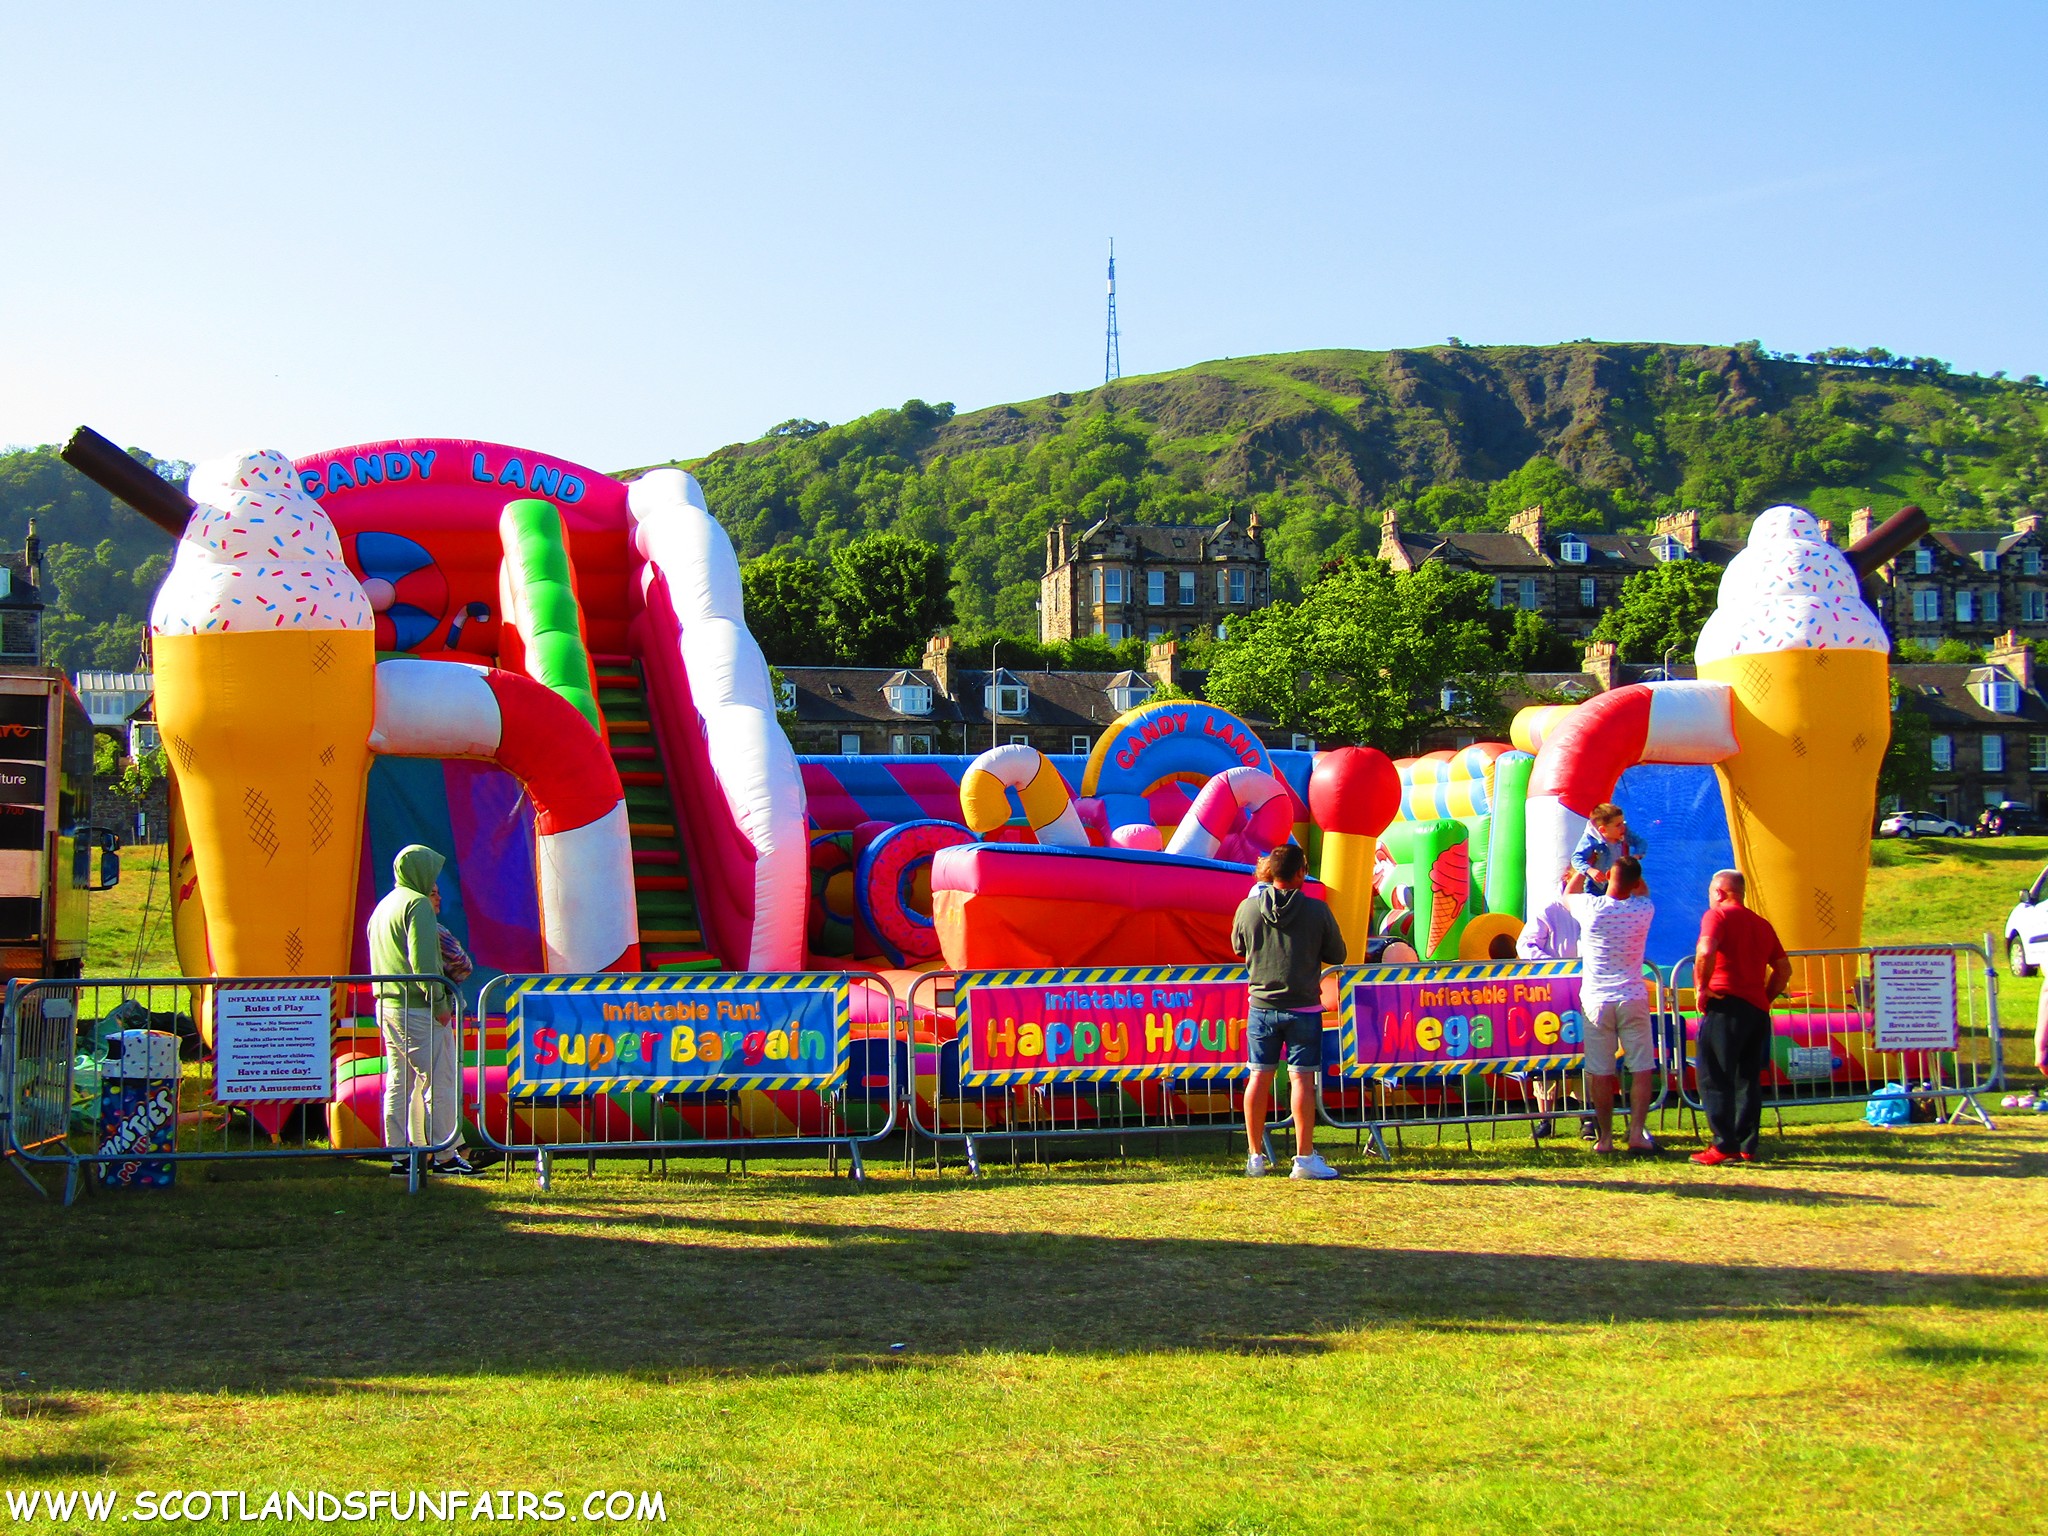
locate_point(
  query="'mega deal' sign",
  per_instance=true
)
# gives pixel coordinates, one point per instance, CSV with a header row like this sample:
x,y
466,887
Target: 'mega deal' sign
x,y
1516,1016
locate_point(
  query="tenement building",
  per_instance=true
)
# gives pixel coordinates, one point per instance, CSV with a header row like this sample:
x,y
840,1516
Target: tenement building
x,y
1965,584
1569,576
1125,581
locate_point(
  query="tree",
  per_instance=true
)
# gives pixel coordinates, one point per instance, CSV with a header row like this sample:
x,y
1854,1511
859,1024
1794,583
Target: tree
x,y
1368,655
785,599
1956,653
1543,482
885,596
1661,610
1530,645
1908,765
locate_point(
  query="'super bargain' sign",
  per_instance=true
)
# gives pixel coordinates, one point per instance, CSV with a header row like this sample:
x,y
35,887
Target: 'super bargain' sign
x,y
665,1033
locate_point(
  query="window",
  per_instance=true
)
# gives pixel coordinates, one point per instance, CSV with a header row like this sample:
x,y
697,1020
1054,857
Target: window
x,y
1007,696
1113,631
1665,547
909,746
909,697
1081,746
1571,549
1095,578
1019,739
1939,802
1926,605
2034,605
1993,798
1529,593
1589,592
1923,561
1187,589
1112,586
1966,607
1155,632
1994,753
1127,690
1301,743
1987,559
2037,754
1223,586
849,743
1155,588
785,696
1943,750
2030,562
1500,592
1991,606
2005,696
1237,586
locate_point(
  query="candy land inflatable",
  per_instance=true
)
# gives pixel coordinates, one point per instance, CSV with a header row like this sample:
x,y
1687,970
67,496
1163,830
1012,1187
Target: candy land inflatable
x,y
545,673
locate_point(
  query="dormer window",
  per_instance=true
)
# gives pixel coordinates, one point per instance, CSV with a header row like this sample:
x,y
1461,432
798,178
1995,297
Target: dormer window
x,y
1988,559
1923,561
1006,696
1127,690
1999,694
908,694
785,696
1665,547
1571,549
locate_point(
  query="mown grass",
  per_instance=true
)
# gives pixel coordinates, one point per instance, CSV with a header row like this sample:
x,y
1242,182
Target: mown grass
x,y
1849,1336
138,908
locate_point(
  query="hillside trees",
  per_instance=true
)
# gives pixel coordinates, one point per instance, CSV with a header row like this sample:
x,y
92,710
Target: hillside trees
x,y
874,605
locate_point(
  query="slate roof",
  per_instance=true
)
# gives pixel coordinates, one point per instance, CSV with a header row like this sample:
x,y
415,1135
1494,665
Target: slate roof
x,y
1943,694
828,695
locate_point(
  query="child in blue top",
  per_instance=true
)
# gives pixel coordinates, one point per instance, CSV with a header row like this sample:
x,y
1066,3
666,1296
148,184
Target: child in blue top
x,y
1605,839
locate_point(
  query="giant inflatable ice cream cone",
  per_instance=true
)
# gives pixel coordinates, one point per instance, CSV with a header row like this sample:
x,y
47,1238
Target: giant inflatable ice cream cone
x,y
265,681
1807,663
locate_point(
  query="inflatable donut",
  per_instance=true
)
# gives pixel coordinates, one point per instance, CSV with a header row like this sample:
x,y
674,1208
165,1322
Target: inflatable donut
x,y
1490,936
830,923
886,884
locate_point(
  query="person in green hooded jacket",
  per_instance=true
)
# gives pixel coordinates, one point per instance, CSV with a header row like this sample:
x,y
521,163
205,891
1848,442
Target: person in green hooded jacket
x,y
420,1051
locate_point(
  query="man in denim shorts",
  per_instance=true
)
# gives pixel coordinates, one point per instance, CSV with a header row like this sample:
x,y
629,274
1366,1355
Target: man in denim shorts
x,y
1285,938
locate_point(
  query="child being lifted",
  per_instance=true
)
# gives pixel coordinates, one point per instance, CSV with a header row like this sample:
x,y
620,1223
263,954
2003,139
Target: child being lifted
x,y
1605,839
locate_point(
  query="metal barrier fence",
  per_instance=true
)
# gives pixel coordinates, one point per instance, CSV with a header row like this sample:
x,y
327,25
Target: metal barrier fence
x,y
682,1064
131,1077
956,1102
1465,1080
1922,1019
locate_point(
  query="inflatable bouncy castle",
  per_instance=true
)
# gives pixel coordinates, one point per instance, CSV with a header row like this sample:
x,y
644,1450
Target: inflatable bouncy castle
x,y
544,672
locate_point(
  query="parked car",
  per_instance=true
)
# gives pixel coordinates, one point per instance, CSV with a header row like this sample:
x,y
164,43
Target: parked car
x,y
1918,824
2009,818
2026,929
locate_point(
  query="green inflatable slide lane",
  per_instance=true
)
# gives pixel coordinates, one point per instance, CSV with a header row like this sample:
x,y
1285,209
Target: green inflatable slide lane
x,y
550,620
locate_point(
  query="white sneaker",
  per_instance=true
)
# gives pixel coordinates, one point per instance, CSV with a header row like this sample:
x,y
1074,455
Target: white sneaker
x,y
1313,1167
1257,1166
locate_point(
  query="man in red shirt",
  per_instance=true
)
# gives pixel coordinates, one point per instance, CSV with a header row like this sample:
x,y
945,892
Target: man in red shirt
x,y
1739,970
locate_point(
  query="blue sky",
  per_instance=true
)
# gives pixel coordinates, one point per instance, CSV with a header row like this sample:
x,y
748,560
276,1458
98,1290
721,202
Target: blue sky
x,y
624,233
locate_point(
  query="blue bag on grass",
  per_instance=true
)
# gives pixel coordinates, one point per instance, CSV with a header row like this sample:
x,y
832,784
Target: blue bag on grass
x,y
1890,1105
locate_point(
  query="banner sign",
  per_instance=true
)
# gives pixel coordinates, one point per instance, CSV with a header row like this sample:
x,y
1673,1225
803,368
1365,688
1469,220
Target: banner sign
x,y
1402,1021
1916,999
659,1033
272,1044
1112,1024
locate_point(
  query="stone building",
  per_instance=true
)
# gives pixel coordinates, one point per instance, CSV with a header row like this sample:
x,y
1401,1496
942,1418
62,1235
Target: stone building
x,y
1965,584
1989,730
1569,576
1146,580
943,707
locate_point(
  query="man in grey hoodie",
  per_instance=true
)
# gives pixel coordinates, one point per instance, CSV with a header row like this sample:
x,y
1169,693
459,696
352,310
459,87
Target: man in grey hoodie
x,y
1286,939
420,1051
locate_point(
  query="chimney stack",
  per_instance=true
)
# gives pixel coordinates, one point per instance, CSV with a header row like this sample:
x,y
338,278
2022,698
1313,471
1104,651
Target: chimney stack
x,y
1162,663
1861,521
1684,527
1391,548
1527,524
2016,657
938,660
1603,660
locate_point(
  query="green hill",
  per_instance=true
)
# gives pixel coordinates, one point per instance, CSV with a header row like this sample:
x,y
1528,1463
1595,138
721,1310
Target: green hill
x,y
1319,443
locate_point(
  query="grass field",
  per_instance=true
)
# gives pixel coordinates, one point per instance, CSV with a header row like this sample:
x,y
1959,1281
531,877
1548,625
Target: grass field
x,y
138,908
1847,1337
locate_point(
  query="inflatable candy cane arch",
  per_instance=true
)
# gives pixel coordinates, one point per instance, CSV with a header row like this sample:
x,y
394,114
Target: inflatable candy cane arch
x,y
1048,804
1205,832
584,853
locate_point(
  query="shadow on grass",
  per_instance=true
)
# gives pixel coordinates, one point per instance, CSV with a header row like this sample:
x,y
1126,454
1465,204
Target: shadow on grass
x,y
461,1284
1725,1189
1957,1353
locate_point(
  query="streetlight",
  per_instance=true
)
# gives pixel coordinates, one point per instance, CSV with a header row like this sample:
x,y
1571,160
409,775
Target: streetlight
x,y
994,697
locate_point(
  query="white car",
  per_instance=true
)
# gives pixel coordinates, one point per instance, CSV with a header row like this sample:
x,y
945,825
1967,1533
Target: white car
x,y
2026,929
1918,824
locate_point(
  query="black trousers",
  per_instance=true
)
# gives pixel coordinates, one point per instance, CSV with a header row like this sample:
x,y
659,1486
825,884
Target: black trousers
x,y
1734,1044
